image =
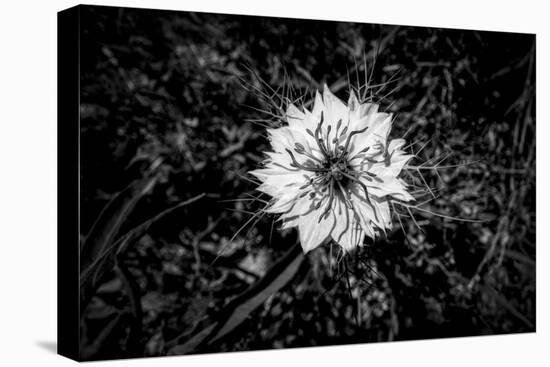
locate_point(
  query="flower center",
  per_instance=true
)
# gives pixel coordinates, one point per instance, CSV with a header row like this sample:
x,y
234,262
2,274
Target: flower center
x,y
338,170
333,173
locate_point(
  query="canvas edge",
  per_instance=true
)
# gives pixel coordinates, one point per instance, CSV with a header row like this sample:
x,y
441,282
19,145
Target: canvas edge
x,y
68,184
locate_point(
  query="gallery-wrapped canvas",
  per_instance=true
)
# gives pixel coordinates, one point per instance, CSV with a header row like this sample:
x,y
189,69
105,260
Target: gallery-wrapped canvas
x,y
235,183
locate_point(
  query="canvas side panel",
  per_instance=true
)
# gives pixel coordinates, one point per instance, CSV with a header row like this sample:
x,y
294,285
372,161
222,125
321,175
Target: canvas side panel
x,y
68,38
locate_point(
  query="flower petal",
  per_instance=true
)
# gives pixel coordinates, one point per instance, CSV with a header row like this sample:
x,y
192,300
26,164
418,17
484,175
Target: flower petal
x,y
390,186
318,106
285,138
383,211
368,109
335,109
353,237
354,107
294,117
312,232
389,163
366,211
364,116
344,219
378,129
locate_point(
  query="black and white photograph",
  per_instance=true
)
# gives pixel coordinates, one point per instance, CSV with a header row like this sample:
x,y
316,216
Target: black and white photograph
x,y
254,183
247,183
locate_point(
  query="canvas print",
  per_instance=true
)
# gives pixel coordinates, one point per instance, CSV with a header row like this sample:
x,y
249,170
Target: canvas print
x,y
249,183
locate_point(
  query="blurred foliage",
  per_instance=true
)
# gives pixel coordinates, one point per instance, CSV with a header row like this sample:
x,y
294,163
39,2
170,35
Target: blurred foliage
x,y
162,99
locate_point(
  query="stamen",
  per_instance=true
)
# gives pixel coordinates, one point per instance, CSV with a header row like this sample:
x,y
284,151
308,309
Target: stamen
x,y
355,132
364,187
347,195
328,135
299,148
329,205
344,131
359,155
319,139
324,150
318,129
288,169
336,139
376,178
300,166
317,205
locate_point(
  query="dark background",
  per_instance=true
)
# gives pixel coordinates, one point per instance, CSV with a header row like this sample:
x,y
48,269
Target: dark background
x,y
165,117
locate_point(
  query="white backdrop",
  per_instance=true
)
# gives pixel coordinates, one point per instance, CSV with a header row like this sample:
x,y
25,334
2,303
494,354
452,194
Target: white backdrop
x,y
28,182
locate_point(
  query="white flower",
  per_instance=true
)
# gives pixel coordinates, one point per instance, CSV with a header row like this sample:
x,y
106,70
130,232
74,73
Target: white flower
x,y
333,171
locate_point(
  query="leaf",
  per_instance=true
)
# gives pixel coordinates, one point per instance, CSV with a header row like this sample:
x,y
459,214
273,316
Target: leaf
x,y
89,351
89,280
107,225
243,305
